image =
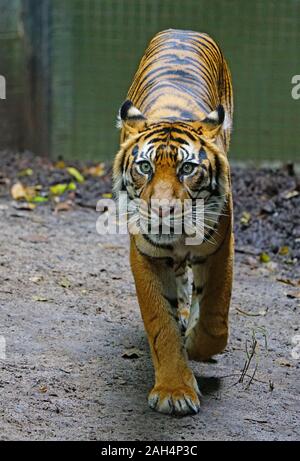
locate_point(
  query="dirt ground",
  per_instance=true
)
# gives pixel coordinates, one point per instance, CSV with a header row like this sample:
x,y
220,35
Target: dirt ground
x,y
76,363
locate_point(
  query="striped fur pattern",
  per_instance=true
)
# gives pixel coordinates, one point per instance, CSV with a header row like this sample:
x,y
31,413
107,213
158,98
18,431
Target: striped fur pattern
x,y
175,134
183,76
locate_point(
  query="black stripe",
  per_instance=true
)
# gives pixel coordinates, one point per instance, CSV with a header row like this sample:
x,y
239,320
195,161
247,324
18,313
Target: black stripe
x,y
199,290
197,261
185,132
166,259
180,140
158,139
218,168
210,232
172,301
161,130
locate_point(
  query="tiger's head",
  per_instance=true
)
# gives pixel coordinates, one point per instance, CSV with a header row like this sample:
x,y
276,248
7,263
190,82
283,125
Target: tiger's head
x,y
172,161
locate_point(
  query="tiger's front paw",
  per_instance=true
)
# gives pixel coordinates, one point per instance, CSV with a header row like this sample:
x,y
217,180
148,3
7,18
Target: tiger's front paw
x,y
180,401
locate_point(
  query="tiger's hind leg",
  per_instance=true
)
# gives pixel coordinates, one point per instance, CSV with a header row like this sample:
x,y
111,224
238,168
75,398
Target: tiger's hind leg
x,y
207,332
183,296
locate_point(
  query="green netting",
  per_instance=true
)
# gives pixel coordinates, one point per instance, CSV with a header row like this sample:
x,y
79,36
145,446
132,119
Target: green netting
x,y
12,68
86,52
98,45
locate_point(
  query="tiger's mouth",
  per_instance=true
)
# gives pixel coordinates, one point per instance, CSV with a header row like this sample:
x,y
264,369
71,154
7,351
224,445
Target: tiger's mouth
x,y
164,231
166,228
162,223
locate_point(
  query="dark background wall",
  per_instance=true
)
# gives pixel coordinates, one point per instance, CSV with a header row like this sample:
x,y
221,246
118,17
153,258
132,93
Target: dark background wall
x,y
69,63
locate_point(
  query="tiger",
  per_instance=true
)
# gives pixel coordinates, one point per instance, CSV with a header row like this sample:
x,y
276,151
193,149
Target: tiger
x,y
176,124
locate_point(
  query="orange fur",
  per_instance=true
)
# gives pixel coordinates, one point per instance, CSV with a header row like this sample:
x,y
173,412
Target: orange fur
x,y
175,115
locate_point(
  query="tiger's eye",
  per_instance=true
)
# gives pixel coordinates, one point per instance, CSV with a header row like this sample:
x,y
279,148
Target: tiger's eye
x,y
187,168
145,167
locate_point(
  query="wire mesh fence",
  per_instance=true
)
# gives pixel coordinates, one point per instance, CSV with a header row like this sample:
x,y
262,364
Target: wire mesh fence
x,y
260,40
96,45
11,72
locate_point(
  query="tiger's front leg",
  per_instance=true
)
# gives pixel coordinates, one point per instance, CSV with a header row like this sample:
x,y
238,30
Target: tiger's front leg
x,y
207,332
175,390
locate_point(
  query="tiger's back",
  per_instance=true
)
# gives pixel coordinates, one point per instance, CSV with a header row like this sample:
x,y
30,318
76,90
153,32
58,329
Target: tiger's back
x,y
183,76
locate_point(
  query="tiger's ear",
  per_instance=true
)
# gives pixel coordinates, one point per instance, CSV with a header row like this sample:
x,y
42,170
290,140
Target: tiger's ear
x,y
212,124
130,118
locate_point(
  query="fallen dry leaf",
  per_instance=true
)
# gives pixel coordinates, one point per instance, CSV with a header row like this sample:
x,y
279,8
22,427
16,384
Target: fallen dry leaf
x,y
261,313
60,189
26,172
290,194
39,199
284,250
43,389
28,193
284,363
97,170
245,218
40,299
132,353
36,278
76,174
63,206
264,258
293,295
60,164
293,283
65,283
109,246
18,191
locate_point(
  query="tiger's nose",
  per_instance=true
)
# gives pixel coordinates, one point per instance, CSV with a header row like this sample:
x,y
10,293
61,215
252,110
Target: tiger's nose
x,y
163,191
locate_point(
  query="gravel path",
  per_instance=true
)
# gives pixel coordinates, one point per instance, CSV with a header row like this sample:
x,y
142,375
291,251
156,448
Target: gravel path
x,y
69,318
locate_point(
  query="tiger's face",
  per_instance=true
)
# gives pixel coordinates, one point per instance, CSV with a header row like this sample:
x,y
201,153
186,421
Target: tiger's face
x,y
172,162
